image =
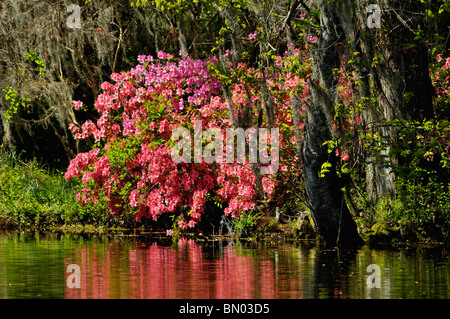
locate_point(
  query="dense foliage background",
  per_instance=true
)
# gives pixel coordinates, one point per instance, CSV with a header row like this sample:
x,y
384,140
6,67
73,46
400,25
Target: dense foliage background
x,y
99,104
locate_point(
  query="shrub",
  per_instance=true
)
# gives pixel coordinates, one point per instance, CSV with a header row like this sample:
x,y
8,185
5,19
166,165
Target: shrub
x,y
130,165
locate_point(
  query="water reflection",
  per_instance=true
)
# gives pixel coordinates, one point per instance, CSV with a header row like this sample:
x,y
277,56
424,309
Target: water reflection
x,y
34,266
186,270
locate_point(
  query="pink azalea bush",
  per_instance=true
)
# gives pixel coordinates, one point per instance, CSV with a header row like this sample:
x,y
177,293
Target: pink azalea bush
x,y
130,164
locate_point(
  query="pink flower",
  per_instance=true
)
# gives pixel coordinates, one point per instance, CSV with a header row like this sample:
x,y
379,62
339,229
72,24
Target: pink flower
x,y
312,39
74,128
163,55
252,36
134,197
169,232
345,157
191,223
141,59
182,225
77,105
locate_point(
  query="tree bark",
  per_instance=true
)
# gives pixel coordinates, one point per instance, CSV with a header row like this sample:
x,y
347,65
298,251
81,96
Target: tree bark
x,y
183,31
393,69
329,211
399,79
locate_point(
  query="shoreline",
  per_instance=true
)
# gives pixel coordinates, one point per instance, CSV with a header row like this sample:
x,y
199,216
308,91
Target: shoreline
x,y
35,198
280,234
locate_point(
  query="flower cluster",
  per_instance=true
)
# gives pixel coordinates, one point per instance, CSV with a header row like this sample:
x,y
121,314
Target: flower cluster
x,y
312,39
131,165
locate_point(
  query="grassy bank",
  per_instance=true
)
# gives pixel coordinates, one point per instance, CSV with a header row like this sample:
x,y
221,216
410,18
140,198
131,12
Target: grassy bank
x,y
33,196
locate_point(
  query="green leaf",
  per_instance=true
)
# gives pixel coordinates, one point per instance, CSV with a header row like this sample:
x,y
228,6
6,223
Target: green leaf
x,y
324,169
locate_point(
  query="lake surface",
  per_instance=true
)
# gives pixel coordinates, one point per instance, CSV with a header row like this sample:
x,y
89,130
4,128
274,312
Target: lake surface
x,y
36,266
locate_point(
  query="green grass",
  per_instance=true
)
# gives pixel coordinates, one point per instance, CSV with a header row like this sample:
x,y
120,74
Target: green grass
x,y
34,196
246,223
30,195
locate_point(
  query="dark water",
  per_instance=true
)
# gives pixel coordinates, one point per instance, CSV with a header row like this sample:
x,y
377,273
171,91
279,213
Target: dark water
x,y
35,266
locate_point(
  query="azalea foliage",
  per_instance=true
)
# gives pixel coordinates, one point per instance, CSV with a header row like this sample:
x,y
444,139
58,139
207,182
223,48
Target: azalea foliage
x,y
130,163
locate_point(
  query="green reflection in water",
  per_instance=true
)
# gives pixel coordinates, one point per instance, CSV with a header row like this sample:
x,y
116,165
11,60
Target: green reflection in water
x,y
34,266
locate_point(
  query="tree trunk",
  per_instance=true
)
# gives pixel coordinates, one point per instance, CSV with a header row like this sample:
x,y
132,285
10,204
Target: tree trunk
x,y
331,216
396,72
394,69
183,31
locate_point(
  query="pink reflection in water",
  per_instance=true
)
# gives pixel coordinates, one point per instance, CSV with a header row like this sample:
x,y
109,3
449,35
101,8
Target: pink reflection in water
x,y
110,271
